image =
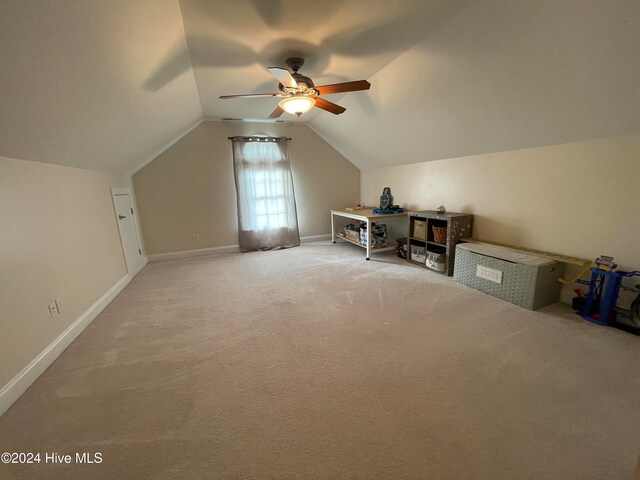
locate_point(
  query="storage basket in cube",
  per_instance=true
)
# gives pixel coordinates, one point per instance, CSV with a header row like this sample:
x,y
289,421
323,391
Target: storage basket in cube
x,y
526,280
418,254
436,261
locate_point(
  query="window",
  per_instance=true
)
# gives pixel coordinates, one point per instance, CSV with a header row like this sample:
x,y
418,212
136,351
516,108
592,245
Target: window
x,y
264,185
267,190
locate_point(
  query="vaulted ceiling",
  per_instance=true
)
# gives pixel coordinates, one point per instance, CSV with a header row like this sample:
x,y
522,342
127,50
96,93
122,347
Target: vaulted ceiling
x,y
107,85
232,43
72,84
500,75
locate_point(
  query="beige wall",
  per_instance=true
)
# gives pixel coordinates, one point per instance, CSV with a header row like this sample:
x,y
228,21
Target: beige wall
x,y
59,239
577,199
189,189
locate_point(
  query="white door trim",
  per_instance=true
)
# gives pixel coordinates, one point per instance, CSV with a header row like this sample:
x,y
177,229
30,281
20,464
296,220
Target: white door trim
x,y
127,191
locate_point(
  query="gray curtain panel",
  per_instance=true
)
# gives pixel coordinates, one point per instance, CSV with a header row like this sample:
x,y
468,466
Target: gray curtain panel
x,y
267,217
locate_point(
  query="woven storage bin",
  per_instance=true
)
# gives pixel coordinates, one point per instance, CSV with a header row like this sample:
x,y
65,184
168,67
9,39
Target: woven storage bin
x,y
419,229
522,279
439,234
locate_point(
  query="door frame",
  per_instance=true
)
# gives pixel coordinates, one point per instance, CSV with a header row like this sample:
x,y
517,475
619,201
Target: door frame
x,y
128,191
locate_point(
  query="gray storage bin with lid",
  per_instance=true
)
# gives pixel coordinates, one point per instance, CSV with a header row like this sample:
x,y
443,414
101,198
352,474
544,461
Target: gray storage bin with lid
x,y
520,278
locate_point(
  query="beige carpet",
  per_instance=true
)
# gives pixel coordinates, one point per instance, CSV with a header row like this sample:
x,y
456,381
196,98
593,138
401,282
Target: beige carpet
x,y
313,363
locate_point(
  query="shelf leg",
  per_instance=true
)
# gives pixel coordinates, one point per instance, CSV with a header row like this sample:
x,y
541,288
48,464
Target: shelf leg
x,y
368,238
333,229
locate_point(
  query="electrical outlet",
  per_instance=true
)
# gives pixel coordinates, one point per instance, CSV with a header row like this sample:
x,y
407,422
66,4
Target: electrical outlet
x,y
53,309
196,237
59,305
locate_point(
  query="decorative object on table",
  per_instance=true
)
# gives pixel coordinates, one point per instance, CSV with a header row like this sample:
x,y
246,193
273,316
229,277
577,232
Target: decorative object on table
x,y
386,199
401,248
441,209
439,234
389,211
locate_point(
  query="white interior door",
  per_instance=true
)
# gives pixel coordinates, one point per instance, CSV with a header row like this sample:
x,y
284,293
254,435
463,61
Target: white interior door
x,y
128,232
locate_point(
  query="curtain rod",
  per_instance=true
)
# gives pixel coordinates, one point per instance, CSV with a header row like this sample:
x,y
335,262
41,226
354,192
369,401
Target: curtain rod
x,y
259,138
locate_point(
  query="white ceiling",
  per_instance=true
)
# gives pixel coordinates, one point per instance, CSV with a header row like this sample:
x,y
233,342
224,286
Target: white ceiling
x,y
232,43
500,75
72,81
106,84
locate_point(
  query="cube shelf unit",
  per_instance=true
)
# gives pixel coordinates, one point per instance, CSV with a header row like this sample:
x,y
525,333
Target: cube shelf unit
x,y
459,225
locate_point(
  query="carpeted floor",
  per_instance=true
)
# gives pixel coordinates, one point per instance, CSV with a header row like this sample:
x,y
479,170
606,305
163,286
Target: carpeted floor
x,y
313,363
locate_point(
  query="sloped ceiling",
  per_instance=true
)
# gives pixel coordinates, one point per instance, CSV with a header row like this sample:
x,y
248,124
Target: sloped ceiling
x,y
500,75
74,81
232,43
107,84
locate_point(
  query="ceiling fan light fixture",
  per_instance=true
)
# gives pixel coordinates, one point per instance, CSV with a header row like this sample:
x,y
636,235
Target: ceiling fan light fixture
x,y
298,104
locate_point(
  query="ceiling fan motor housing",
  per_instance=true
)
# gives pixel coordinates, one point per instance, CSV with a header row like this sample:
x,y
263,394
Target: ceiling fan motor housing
x,y
300,93
301,79
294,63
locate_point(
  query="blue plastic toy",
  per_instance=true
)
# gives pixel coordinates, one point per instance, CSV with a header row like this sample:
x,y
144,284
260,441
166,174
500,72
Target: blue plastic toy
x,y
604,288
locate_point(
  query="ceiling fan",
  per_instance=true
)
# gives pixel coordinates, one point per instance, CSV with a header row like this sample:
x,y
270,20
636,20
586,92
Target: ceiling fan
x,y
298,92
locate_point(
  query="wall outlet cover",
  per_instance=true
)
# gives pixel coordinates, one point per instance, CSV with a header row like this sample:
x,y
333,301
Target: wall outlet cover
x,y
53,309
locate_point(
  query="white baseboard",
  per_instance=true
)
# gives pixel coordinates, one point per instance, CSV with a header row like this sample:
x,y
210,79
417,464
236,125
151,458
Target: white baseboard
x,y
23,380
315,238
158,257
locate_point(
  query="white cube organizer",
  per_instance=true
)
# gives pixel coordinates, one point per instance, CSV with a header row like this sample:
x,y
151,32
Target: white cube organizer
x,y
526,280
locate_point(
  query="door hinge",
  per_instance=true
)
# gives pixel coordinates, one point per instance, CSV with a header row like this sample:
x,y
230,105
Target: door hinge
x,y
132,211
140,251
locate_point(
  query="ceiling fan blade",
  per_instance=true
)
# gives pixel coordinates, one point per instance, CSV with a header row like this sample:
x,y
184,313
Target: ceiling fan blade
x,y
344,87
251,95
283,76
328,106
276,113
